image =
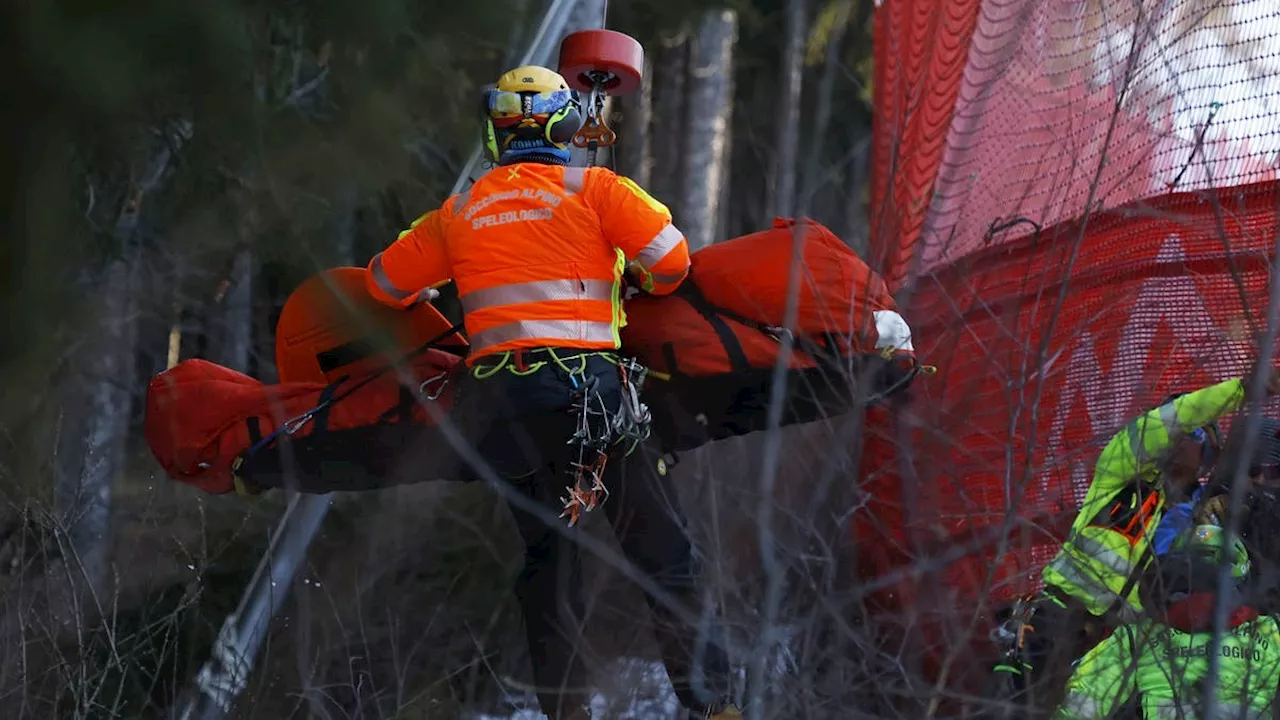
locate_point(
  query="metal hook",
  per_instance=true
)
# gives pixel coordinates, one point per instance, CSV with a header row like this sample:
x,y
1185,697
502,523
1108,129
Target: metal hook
x,y
442,379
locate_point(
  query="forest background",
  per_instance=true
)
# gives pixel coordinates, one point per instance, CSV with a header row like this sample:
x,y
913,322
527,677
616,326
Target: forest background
x,y
176,169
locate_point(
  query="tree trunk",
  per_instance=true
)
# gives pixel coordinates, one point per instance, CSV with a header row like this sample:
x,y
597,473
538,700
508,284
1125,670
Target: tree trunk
x,y
236,319
857,222
85,504
707,116
266,310
782,185
232,312
813,175
634,151
725,202
344,224
667,127
82,497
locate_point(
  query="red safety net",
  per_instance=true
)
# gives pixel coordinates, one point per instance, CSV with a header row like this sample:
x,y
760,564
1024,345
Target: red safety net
x,y
1041,108
1163,119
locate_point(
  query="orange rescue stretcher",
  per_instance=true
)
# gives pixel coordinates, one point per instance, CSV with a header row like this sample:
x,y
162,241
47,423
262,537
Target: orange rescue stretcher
x,y
363,387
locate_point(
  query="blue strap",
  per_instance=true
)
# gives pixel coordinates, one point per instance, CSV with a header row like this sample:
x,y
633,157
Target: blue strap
x,y
294,424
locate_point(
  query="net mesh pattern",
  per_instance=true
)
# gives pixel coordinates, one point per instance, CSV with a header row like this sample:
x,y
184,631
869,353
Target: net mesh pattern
x,y
1071,105
1003,124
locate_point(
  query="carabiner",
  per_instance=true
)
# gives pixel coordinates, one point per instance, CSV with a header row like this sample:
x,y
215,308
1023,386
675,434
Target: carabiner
x,y
443,381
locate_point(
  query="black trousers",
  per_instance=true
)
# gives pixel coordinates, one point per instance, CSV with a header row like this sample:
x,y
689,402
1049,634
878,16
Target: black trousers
x,y
520,423
1031,683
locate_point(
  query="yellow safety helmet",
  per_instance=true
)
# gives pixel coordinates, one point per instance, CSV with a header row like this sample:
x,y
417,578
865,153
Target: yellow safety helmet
x,y
529,110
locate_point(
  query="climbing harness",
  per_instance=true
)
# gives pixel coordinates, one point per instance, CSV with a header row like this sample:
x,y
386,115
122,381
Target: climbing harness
x,y
598,431
915,368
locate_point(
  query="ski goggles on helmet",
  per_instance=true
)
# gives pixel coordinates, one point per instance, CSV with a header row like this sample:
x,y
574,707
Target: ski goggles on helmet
x,y
511,107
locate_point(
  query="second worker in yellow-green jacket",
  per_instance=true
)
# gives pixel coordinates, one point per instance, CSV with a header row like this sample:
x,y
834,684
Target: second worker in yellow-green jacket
x,y
1160,453
1158,456
1161,664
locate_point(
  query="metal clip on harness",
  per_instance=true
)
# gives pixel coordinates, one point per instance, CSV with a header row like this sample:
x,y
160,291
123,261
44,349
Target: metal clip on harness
x,y
598,430
591,439
433,387
633,420
1011,635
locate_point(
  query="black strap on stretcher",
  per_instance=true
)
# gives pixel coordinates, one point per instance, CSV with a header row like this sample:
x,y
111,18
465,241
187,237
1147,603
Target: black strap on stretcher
x,y
827,354
330,397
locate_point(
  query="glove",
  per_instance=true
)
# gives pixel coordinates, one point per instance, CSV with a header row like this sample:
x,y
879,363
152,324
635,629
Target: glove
x,y
630,288
1212,511
425,295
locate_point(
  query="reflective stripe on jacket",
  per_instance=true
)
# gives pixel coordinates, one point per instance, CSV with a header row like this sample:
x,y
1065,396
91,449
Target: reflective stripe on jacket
x,y
537,252
1095,563
1165,667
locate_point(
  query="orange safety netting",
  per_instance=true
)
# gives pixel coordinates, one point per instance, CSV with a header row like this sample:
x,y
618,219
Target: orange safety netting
x,y
1160,118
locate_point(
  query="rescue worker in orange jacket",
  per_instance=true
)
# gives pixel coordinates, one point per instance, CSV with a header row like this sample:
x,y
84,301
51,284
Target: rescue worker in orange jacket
x,y
538,251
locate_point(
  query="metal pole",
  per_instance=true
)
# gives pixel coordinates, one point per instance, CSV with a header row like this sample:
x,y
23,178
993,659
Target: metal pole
x,y
225,675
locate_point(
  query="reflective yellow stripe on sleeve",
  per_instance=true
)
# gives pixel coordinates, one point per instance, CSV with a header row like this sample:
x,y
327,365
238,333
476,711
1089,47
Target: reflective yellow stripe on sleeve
x,y
1094,571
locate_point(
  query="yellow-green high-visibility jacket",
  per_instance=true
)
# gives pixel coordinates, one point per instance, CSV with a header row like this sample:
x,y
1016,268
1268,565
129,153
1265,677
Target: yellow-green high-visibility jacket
x,y
1166,670
1126,500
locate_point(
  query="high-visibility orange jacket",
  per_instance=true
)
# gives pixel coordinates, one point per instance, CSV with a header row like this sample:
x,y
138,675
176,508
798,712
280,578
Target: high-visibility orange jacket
x,y
537,252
